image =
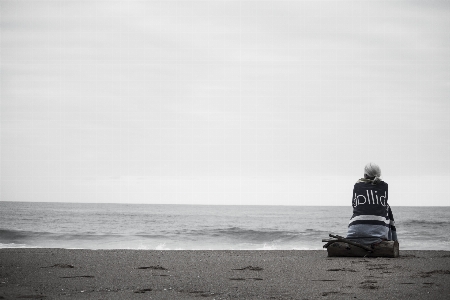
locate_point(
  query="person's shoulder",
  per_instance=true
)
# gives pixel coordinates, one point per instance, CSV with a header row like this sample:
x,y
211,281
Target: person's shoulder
x,y
383,185
359,184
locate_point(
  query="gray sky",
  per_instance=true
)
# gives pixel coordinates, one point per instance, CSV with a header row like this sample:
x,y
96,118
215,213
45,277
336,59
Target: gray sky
x,y
224,102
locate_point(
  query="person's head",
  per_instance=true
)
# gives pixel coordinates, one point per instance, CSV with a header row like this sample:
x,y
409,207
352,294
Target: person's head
x,y
372,170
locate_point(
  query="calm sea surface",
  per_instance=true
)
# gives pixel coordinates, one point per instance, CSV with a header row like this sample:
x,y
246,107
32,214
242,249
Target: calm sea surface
x,y
135,226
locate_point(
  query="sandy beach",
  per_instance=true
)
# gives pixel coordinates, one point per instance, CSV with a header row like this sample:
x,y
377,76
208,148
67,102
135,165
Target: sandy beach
x,y
141,274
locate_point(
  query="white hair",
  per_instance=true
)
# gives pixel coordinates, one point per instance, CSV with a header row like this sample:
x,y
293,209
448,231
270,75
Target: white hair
x,y
372,170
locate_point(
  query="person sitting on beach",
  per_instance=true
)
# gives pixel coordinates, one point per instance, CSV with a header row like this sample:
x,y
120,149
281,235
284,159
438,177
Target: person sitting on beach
x,y
372,220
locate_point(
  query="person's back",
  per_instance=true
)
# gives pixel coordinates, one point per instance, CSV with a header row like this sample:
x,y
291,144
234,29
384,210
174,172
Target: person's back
x,y
372,220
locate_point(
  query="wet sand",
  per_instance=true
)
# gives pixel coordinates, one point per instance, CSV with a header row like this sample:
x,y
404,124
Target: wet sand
x,y
142,274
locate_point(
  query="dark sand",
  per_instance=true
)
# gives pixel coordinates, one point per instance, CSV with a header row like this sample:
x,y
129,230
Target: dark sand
x,y
134,274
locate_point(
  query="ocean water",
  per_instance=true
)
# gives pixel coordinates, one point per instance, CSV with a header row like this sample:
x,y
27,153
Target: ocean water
x,y
198,227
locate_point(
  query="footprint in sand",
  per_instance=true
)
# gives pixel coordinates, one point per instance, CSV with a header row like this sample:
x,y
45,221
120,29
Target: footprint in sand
x,y
250,268
428,274
342,269
323,280
60,266
157,267
331,293
203,293
442,272
252,278
369,285
369,281
78,276
142,291
377,266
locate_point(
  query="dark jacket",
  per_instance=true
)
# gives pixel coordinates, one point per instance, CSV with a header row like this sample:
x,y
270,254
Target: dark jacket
x,y
372,218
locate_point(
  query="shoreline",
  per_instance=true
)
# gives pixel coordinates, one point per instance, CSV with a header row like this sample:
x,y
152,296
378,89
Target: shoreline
x,y
54,273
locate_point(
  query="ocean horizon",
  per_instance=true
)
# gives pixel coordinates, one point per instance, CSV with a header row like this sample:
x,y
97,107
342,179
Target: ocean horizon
x,y
201,227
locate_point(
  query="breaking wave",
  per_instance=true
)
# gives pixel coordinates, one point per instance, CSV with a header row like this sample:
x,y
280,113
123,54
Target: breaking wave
x,y
264,238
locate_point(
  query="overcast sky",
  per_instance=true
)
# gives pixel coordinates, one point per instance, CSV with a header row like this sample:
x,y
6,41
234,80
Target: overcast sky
x,y
224,102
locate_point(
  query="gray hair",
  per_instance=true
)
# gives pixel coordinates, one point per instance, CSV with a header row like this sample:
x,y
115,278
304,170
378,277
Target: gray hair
x,y
372,170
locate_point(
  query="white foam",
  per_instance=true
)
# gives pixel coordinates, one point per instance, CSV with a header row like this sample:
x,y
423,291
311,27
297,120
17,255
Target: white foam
x,y
14,245
267,247
161,246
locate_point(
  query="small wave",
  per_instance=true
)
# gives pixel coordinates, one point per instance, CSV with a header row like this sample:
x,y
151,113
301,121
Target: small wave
x,y
251,235
150,236
22,236
17,235
424,223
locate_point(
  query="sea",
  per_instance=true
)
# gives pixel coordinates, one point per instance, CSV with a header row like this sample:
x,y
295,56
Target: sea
x,y
202,227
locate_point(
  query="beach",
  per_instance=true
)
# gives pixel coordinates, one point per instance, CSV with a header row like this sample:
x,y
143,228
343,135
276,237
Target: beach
x,y
151,274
